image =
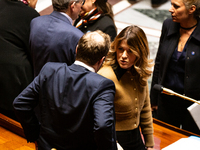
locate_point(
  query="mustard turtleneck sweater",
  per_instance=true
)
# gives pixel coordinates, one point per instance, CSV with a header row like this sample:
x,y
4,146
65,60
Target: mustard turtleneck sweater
x,y
132,104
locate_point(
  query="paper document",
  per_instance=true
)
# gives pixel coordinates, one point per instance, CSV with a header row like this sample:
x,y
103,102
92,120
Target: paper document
x,y
184,144
194,110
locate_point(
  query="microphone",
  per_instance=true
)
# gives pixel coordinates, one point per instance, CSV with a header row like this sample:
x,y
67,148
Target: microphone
x,y
167,91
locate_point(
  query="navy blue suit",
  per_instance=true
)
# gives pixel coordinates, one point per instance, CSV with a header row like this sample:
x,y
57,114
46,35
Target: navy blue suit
x,y
76,108
53,39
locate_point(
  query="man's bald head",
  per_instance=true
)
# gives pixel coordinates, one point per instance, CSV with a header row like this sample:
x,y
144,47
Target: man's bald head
x,y
92,47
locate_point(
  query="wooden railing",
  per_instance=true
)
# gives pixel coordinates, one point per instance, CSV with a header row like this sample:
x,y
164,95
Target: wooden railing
x,y
164,134
11,125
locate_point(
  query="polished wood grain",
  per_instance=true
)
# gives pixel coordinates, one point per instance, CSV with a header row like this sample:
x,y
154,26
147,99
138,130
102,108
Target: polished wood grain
x,y
165,134
12,136
12,141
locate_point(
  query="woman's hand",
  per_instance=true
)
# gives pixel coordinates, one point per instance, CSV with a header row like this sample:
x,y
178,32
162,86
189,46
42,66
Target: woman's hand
x,y
154,108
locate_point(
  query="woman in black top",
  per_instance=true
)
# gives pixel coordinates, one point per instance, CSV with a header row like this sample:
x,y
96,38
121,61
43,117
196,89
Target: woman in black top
x,y
97,15
177,64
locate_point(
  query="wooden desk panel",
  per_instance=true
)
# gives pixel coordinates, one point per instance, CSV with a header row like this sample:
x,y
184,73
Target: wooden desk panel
x,y
12,136
12,141
165,134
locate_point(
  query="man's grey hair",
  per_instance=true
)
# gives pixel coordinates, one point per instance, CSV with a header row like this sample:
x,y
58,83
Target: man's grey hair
x,y
62,5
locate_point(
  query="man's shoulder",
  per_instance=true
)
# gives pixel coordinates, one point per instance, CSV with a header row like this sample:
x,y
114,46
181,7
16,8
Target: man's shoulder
x,y
53,67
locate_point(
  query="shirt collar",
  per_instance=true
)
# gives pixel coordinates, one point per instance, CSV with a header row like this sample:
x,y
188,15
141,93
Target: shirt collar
x,y
84,65
70,19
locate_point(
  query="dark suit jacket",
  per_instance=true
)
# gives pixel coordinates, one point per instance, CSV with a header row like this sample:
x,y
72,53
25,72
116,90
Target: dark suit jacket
x,y
16,70
76,109
53,39
104,23
168,42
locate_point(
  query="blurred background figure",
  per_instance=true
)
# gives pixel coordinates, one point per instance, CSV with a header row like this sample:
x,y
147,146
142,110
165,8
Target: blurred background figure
x,y
16,70
177,64
128,66
157,3
53,38
97,15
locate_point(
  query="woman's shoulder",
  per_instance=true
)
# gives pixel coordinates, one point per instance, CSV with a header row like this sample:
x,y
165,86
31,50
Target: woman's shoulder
x,y
107,19
106,71
168,21
105,68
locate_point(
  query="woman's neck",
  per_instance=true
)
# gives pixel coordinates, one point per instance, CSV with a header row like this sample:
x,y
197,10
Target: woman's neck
x,y
189,24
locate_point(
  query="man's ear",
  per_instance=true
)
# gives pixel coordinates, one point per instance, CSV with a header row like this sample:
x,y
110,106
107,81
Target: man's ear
x,y
192,9
76,48
102,60
72,6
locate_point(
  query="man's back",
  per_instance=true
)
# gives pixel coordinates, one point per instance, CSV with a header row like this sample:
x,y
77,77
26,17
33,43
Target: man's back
x,y
53,39
76,107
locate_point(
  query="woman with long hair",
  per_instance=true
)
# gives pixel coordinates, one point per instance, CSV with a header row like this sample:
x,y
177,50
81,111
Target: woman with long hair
x,y
128,66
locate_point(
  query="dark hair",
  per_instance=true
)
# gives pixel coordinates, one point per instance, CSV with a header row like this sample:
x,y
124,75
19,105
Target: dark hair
x,y
137,42
91,48
105,7
62,5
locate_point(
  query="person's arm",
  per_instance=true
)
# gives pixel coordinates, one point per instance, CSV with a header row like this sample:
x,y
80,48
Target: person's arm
x,y
153,93
104,122
24,105
146,121
111,30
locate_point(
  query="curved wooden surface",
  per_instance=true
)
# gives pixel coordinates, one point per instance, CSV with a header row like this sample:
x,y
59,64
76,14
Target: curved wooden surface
x,y
165,134
12,136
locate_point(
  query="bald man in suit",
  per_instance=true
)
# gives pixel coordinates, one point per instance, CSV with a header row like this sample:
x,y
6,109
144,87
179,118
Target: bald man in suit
x,y
76,104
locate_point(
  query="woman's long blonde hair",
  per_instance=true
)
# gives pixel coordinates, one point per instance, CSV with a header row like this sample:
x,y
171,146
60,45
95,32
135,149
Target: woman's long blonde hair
x,y
137,42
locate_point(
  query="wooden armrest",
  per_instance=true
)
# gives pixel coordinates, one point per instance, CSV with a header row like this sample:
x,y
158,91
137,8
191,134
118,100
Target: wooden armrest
x,y
171,127
11,125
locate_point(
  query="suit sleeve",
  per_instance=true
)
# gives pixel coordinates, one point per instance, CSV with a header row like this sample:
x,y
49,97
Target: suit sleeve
x,y
24,105
104,120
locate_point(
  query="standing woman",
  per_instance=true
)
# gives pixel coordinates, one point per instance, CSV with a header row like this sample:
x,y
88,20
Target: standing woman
x,y
177,64
127,65
97,15
16,70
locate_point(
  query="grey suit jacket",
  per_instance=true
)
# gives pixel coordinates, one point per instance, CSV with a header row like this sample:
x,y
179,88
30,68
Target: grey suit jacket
x,y
53,39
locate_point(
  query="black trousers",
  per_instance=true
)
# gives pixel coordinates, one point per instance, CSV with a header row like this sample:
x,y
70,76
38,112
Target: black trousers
x,y
130,140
